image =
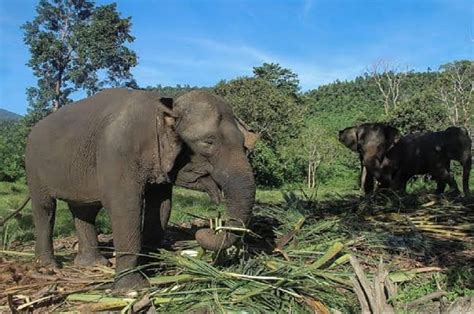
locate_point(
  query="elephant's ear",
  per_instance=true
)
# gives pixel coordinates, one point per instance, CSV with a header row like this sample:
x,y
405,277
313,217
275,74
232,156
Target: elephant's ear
x,y
250,137
392,135
348,137
169,142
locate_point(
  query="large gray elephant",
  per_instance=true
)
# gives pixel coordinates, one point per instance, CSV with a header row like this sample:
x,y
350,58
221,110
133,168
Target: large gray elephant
x,y
123,150
429,153
371,141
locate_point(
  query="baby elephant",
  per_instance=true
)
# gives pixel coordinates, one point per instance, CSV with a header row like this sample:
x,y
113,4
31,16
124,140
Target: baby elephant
x,y
429,153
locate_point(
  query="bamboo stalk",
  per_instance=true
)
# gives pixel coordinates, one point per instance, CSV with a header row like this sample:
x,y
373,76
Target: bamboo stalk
x,y
333,251
26,305
235,275
15,253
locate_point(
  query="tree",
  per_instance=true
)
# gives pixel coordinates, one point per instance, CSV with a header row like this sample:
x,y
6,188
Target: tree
x,y
75,45
275,115
308,157
388,79
455,91
421,112
174,91
12,148
282,78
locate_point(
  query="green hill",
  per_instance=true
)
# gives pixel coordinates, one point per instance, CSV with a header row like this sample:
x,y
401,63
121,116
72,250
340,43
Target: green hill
x,y
8,115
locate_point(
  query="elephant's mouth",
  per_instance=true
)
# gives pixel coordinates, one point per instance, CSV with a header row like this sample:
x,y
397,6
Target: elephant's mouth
x,y
212,188
200,181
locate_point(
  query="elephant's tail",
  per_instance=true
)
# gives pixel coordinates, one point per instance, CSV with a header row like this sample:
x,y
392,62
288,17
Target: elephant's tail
x,y
16,211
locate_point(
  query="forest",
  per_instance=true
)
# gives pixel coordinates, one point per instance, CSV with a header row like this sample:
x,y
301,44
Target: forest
x,y
298,130
316,243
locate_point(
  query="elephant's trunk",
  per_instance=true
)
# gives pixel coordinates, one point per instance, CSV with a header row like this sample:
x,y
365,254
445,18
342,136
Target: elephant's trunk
x,y
238,186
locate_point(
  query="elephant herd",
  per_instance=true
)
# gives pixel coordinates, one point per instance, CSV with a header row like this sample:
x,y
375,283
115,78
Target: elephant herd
x,y
392,159
124,150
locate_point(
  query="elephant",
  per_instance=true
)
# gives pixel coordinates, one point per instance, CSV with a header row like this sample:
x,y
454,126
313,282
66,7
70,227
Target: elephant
x,y
124,150
371,141
429,153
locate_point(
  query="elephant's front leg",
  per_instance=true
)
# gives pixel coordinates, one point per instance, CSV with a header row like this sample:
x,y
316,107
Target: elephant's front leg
x,y
363,177
399,182
157,214
369,182
125,210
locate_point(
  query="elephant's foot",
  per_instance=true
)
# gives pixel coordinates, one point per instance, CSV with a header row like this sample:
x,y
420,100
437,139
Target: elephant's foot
x,y
453,193
48,261
154,243
130,282
91,259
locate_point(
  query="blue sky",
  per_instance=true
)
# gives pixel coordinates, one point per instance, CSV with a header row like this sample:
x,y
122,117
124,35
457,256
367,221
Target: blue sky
x,y
200,42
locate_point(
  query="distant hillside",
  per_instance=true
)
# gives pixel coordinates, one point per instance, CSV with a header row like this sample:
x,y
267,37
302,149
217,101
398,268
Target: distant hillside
x,y
8,115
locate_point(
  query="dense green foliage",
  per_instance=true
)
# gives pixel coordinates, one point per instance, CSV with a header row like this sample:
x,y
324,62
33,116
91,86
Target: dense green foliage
x,y
283,79
298,131
173,91
75,45
275,114
12,146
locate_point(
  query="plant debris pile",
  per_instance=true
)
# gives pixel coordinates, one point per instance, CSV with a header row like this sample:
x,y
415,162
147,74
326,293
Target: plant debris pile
x,y
300,259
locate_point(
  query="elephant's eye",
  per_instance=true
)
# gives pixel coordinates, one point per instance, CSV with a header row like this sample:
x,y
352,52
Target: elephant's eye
x,y
210,140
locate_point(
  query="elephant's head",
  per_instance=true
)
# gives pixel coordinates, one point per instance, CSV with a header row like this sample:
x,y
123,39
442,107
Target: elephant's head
x,y
371,141
213,159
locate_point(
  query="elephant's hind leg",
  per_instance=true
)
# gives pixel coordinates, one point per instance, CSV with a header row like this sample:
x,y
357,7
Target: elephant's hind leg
x,y
443,176
44,212
84,221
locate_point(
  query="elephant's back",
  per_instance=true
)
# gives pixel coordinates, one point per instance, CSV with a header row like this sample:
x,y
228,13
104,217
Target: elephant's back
x,y
82,118
63,145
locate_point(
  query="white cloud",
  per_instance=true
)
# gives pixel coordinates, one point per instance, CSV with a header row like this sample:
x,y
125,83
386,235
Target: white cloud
x,y
211,60
230,49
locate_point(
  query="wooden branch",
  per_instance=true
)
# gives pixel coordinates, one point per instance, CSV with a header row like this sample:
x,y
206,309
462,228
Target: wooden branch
x,y
372,297
426,298
364,282
10,216
360,295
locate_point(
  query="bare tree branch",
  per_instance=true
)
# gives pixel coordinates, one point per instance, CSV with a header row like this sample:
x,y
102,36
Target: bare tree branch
x,y
455,91
388,79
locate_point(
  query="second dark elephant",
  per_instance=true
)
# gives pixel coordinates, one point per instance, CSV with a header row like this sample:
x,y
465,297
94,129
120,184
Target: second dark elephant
x,y
371,141
429,153
124,150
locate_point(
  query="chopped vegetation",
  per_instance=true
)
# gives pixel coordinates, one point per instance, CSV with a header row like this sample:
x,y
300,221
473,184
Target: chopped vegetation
x,y
296,261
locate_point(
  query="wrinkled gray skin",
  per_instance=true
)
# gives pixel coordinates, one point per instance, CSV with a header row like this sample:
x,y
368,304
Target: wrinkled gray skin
x,y
124,150
429,153
371,141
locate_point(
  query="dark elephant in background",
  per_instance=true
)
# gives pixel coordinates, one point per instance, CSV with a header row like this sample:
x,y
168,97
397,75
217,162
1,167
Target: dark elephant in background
x,y
429,153
123,150
371,141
